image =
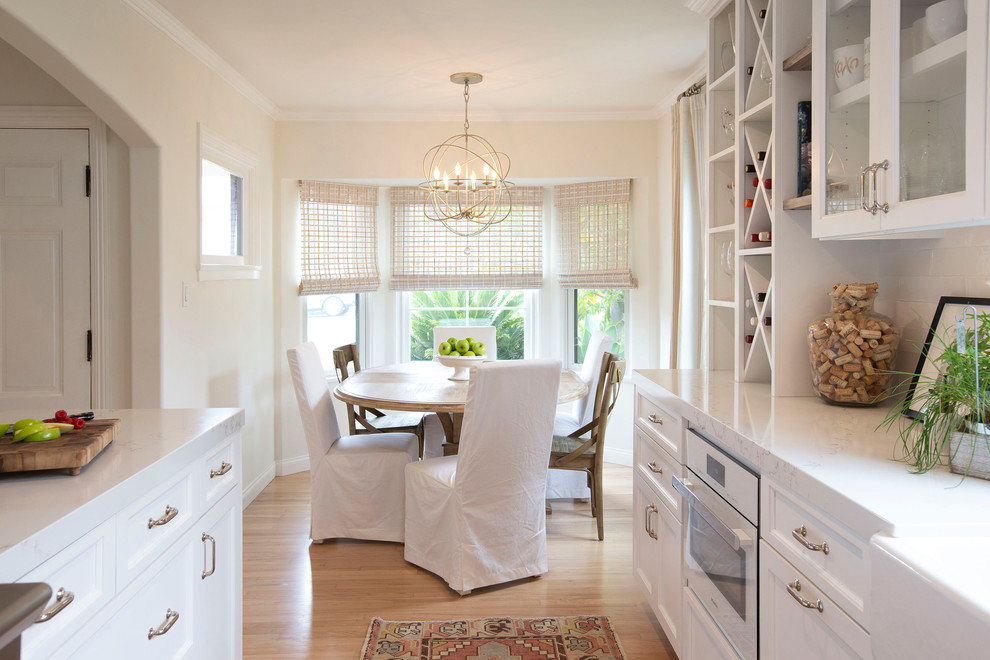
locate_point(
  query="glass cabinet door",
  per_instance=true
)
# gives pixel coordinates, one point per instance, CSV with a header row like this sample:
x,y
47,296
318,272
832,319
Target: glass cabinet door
x,y
932,98
847,132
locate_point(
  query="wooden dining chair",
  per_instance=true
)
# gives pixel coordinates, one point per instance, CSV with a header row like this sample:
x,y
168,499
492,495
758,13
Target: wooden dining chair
x,y
371,420
584,448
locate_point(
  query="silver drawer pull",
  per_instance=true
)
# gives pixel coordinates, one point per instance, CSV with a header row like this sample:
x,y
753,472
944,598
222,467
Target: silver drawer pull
x,y
224,469
649,530
170,512
213,563
655,418
654,467
794,587
170,619
62,600
801,532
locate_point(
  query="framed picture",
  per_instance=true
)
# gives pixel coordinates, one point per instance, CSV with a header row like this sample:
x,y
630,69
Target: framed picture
x,y
950,310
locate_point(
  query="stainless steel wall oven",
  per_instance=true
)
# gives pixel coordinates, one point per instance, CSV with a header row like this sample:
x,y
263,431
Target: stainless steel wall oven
x,y
721,539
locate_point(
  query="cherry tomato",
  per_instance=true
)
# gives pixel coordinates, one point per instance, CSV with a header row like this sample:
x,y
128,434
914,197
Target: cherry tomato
x,y
78,423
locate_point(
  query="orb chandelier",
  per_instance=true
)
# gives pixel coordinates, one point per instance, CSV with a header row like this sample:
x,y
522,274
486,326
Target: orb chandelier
x,y
465,176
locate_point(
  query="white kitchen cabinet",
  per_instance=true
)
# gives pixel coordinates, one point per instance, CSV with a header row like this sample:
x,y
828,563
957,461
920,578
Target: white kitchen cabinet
x,y
702,639
657,557
147,539
902,149
798,620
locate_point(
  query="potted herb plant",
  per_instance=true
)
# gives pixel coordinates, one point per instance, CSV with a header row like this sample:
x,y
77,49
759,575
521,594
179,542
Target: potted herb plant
x,y
950,410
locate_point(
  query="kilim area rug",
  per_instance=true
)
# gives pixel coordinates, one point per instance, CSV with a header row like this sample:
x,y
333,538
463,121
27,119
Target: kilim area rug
x,y
501,638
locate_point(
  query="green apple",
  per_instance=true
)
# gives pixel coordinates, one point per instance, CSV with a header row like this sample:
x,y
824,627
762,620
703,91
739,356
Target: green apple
x,y
469,354
479,348
471,340
444,348
3,428
452,342
21,423
463,346
28,430
40,436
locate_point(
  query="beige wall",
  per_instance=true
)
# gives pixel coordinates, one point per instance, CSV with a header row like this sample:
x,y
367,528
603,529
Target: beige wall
x,y
540,151
153,95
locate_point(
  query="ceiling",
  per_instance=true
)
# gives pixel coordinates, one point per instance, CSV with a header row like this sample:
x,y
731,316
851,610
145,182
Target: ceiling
x,y
392,59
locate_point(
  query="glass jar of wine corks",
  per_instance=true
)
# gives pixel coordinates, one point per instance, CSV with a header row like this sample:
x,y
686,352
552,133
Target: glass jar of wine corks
x,y
852,348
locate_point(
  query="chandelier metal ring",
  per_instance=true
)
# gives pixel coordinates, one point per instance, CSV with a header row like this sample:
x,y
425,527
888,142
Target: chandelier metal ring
x,y
466,184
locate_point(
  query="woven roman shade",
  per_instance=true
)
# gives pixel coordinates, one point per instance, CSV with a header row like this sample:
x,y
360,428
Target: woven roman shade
x,y
428,257
594,223
339,238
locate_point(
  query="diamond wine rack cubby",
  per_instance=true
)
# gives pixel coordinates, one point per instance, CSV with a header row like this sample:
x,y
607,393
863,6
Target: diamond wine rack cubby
x,y
766,275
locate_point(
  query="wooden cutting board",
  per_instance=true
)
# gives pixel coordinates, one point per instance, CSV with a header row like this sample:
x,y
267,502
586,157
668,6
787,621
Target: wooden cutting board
x,y
73,450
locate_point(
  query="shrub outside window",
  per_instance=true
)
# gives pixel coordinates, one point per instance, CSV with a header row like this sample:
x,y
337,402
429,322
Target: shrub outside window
x,y
506,310
599,310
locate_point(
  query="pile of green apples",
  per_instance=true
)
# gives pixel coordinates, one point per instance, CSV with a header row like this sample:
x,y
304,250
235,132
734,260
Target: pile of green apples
x,y
461,347
35,430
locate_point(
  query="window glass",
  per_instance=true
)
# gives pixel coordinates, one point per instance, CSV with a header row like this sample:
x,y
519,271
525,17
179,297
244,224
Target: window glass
x,y
331,321
223,211
599,310
506,310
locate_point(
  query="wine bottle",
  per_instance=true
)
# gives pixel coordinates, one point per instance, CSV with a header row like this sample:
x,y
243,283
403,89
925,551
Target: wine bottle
x,y
763,13
749,71
767,183
756,182
765,236
749,339
748,203
761,296
749,168
766,320
760,155
753,321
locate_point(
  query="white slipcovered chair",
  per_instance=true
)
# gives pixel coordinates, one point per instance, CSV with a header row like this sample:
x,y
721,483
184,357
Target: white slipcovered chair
x,y
482,333
478,518
356,487
567,484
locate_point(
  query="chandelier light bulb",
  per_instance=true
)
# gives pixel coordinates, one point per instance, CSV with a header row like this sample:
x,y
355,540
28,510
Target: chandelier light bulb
x,y
457,170
436,174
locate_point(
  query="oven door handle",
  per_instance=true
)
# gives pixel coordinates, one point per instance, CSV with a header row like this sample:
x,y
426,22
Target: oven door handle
x,y
727,533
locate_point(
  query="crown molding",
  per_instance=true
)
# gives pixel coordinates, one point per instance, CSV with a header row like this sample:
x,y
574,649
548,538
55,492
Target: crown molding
x,y
159,17
707,8
421,115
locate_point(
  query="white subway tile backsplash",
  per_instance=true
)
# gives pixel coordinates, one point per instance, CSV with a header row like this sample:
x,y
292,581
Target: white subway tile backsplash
x,y
921,289
911,260
978,287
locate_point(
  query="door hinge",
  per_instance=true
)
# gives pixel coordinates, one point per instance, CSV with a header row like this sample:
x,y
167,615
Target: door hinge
x,y
89,181
89,346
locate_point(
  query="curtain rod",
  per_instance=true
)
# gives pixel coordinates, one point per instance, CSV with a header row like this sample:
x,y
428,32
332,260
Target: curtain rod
x,y
692,90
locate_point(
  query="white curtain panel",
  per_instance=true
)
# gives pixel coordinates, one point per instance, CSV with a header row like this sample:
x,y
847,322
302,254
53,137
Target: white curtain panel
x,y
356,482
479,518
690,181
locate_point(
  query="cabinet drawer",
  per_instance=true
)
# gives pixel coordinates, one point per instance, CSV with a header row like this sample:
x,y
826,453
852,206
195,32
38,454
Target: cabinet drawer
x,y
153,523
812,627
802,533
85,571
125,634
217,473
661,424
658,467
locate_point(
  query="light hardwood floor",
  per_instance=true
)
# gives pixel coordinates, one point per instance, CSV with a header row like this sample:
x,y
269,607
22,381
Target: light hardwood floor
x,y
304,600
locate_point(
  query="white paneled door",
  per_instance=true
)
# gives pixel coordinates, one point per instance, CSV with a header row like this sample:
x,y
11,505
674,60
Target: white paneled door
x,y
44,269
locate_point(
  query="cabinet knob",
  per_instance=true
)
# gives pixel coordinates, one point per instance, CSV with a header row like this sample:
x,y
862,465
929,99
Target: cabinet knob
x,y
651,508
62,600
224,469
654,467
794,587
170,618
170,513
801,534
656,419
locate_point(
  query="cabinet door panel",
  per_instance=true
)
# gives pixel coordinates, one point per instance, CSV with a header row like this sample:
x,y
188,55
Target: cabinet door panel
x,y
702,640
218,580
646,548
790,629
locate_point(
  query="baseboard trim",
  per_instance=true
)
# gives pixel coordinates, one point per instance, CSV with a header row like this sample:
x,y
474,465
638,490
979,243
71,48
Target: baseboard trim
x,y
291,465
619,456
253,489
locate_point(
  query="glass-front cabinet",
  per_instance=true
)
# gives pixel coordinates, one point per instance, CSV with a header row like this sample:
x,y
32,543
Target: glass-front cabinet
x,y
899,107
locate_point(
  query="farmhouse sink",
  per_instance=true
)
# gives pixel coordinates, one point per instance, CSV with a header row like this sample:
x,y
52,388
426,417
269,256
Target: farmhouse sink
x,y
930,597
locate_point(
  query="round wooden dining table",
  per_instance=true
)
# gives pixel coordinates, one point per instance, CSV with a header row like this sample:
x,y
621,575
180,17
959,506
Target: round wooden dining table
x,y
425,387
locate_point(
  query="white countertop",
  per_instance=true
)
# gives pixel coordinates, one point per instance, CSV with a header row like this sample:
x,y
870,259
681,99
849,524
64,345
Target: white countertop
x,y
33,502
833,456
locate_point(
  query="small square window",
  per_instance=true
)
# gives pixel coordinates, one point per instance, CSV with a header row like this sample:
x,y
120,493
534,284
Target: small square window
x,y
228,210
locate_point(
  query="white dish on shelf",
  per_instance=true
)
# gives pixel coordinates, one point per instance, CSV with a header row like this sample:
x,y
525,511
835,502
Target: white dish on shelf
x,y
461,364
945,19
